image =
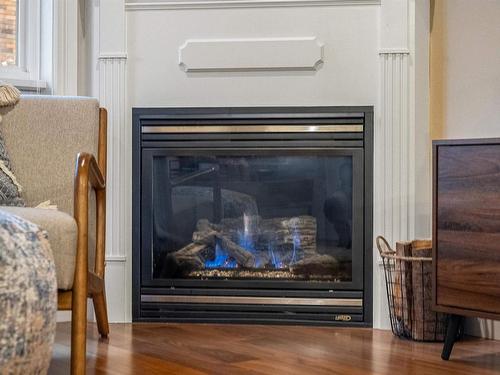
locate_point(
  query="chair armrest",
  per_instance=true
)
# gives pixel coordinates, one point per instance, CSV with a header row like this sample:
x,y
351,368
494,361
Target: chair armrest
x,y
88,173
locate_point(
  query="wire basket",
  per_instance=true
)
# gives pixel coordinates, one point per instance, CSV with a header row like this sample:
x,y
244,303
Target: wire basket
x,y
408,277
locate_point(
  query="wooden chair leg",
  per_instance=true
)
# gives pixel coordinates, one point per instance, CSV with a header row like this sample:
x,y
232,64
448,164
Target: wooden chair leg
x,y
101,313
79,332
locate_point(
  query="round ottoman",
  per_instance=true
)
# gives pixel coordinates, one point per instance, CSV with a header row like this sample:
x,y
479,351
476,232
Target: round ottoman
x,y
28,297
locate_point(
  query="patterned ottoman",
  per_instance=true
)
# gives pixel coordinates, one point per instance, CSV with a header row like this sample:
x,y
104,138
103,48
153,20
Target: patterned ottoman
x,y
28,297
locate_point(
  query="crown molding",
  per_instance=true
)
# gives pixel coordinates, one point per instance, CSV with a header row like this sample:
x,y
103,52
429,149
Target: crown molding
x,y
137,5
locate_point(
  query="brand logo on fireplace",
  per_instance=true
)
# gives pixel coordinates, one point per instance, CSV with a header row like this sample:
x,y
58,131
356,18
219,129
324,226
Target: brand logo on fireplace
x,y
344,318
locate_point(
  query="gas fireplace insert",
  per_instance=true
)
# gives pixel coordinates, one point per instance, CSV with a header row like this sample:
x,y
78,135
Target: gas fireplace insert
x,y
253,215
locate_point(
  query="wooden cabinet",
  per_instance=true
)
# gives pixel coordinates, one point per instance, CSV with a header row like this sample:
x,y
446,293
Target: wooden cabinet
x,y
466,229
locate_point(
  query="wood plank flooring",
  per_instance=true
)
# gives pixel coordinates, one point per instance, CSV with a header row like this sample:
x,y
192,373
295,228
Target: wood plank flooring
x,y
250,349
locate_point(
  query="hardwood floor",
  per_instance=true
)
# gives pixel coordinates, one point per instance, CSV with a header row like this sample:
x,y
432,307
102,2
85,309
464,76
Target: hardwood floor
x,y
245,349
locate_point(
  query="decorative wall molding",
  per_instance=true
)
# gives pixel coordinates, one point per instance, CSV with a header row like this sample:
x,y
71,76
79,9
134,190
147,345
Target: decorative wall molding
x,y
394,142
138,5
260,54
394,167
112,96
112,91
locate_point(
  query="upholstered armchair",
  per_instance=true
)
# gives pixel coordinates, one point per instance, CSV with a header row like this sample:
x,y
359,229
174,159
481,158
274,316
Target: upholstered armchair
x,y
57,148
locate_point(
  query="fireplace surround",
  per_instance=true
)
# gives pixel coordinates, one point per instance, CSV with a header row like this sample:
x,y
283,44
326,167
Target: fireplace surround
x,y
253,215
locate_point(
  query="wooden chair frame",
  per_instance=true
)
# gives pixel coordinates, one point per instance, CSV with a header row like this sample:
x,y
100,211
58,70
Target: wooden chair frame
x,y
88,284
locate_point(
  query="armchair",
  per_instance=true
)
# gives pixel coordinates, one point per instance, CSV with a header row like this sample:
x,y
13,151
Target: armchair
x,y
44,135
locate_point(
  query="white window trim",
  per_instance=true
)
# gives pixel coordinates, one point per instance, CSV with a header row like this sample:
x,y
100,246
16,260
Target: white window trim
x,y
26,74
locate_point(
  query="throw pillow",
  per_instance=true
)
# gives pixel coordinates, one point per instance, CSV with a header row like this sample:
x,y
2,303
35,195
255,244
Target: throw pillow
x,y
10,189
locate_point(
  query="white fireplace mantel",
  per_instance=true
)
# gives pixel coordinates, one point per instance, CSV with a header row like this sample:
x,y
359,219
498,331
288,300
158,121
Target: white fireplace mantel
x,y
132,59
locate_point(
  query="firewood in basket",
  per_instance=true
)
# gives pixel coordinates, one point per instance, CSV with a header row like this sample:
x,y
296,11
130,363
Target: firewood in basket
x,y
402,287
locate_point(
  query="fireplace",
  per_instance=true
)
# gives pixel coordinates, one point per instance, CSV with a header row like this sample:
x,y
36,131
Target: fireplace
x,y
252,214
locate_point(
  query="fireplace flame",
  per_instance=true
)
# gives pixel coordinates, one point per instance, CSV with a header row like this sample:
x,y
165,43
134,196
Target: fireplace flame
x,y
246,224
275,258
221,260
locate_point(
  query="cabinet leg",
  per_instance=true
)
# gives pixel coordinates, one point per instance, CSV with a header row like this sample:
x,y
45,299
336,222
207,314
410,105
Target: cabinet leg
x,y
454,323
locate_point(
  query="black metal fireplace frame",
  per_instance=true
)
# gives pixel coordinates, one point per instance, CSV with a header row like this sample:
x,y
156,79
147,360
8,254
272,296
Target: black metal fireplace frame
x,y
149,301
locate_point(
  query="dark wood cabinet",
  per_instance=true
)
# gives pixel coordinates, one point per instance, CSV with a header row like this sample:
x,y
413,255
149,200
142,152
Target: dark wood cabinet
x,y
466,229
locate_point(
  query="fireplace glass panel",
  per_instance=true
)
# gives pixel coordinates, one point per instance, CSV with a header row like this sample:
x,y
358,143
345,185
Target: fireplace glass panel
x,y
252,217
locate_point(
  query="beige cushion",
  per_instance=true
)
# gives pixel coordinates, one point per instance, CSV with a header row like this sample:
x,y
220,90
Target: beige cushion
x,y
43,135
62,232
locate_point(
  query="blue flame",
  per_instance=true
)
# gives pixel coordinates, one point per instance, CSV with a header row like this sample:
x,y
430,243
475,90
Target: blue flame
x,y
296,245
222,259
275,258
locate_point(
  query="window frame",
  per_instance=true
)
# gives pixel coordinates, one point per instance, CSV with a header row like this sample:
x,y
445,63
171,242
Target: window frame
x,y
26,73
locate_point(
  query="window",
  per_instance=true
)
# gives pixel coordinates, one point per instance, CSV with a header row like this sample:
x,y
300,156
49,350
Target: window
x,y
8,32
20,22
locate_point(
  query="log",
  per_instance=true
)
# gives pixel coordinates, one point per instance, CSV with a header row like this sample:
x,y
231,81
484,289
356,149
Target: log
x,y
280,233
193,255
192,249
412,292
206,237
427,325
402,290
203,225
319,264
283,235
297,231
189,263
238,253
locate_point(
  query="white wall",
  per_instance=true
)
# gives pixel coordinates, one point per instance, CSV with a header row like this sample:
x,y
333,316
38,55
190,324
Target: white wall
x,y
422,151
88,47
472,74
469,83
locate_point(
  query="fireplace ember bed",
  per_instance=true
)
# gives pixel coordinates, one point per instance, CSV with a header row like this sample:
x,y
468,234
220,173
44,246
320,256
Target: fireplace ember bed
x,y
253,215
